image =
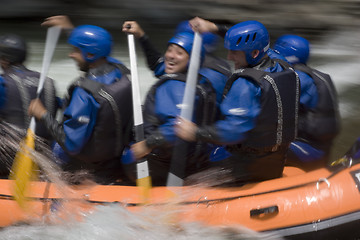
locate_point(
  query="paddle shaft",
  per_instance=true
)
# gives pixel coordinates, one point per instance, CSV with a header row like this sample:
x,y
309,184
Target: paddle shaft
x,y
142,165
178,162
191,79
138,118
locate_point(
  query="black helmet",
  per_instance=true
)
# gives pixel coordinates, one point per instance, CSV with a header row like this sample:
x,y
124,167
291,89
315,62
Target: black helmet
x,y
12,48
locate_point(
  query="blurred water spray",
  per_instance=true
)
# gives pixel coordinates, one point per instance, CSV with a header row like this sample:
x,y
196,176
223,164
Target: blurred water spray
x,y
111,221
115,222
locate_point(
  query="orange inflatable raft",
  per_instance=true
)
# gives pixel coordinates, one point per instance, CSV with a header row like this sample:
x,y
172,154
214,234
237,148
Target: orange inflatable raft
x,y
321,204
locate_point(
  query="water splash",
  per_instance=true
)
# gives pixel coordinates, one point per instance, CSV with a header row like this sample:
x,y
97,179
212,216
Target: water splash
x,y
10,141
114,222
108,221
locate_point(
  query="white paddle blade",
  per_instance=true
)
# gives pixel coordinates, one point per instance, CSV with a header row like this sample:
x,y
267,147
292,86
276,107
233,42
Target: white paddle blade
x,y
52,37
138,118
191,79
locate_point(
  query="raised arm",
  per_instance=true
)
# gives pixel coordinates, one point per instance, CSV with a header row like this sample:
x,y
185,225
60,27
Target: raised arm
x,y
61,21
153,56
201,25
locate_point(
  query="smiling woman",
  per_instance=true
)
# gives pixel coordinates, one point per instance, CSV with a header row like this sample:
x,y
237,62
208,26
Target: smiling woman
x,y
176,59
161,110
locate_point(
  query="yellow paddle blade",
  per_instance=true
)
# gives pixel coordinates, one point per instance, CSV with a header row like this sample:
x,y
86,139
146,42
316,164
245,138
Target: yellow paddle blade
x,y
144,185
23,168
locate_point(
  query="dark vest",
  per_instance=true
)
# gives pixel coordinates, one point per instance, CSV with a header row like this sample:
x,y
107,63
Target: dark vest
x,y
277,121
322,123
21,87
112,131
262,155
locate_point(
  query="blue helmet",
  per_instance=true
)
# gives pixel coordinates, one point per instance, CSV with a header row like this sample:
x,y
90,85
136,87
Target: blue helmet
x,y
248,36
91,39
185,40
294,48
209,40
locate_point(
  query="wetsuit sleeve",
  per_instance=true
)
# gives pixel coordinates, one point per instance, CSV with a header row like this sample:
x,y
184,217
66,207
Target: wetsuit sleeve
x,y
308,91
2,92
153,56
55,129
156,139
222,29
208,134
240,110
80,118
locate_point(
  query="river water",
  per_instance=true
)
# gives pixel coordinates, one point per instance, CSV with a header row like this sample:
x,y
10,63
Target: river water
x,y
336,54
